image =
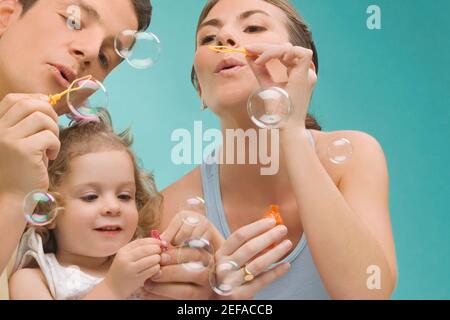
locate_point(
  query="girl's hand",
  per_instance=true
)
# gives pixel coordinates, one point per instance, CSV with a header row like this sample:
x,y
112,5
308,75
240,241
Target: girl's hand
x,y
132,265
300,72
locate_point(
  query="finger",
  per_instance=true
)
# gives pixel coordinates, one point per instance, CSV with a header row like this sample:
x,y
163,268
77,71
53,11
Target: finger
x,y
261,73
146,295
147,262
25,107
178,290
265,52
10,100
201,229
33,124
44,142
262,263
248,290
172,229
255,50
141,243
140,252
242,235
179,274
148,273
278,52
251,248
184,233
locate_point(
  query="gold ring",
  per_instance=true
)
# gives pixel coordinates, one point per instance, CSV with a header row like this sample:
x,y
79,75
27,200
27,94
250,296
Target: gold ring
x,y
248,276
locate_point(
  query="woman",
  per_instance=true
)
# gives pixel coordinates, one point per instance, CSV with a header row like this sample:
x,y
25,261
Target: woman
x,y
336,216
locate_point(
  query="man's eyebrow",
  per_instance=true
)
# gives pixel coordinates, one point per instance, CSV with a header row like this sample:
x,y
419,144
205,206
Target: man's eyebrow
x,y
90,10
242,16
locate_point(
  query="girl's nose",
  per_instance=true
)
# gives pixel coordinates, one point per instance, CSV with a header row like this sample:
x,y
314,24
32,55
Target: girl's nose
x,y
112,208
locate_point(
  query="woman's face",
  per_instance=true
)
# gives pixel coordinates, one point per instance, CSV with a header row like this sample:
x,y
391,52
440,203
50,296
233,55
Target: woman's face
x,y
225,79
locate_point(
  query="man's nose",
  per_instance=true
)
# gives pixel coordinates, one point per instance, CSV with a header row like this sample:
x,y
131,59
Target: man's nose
x,y
86,48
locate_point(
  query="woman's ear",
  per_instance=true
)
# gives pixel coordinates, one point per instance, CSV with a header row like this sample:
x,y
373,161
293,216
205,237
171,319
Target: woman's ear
x,y
313,67
10,10
199,90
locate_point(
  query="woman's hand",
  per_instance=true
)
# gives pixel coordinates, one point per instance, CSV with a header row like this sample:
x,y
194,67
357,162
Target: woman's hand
x,y
247,248
175,281
188,224
301,74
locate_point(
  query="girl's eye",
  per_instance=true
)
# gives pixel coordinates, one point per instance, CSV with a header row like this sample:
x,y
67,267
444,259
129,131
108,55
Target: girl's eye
x,y
89,197
125,197
103,59
207,39
253,29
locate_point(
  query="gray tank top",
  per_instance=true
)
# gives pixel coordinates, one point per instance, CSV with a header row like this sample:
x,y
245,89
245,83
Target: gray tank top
x,y
302,281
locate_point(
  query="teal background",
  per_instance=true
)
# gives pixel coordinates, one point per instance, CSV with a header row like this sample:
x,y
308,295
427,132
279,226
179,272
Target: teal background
x,y
393,83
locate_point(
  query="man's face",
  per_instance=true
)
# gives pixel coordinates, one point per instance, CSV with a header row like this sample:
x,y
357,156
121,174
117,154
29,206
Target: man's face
x,y
41,53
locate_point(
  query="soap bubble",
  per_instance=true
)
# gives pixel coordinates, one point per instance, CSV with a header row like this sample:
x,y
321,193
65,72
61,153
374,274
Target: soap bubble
x,y
39,208
86,97
225,277
140,49
194,204
269,107
340,150
195,254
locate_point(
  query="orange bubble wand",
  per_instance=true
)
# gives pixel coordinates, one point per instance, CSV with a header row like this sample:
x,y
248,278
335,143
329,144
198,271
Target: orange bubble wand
x,y
225,49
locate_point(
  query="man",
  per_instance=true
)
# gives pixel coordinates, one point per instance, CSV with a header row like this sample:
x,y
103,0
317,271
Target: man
x,y
41,52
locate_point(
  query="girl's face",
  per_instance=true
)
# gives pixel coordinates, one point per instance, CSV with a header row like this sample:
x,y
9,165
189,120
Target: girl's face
x,y
100,214
225,79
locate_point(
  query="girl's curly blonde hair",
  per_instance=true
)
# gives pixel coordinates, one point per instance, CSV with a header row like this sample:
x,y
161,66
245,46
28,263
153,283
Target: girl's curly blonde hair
x,y
81,138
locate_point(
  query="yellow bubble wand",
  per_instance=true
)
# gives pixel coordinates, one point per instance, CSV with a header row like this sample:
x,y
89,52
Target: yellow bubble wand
x,y
54,99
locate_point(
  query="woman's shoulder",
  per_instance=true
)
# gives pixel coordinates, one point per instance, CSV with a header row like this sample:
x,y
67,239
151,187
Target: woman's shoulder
x,y
343,151
351,135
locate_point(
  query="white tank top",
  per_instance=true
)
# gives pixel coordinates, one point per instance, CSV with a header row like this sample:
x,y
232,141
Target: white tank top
x,y
64,283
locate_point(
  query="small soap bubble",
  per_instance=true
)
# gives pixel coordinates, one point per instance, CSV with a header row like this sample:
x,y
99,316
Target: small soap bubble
x,y
340,150
195,254
39,208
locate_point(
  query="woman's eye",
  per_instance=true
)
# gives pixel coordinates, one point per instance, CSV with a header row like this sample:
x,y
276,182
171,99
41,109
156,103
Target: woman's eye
x,y
207,39
103,59
253,29
89,197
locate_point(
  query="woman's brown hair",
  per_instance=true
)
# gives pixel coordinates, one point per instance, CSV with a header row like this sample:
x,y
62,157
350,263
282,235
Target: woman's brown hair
x,y
299,34
83,138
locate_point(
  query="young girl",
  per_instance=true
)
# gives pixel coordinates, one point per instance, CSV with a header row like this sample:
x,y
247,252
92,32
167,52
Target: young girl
x,y
104,202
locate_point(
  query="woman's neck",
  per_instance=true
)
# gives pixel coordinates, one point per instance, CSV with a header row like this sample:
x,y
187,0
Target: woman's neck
x,y
267,176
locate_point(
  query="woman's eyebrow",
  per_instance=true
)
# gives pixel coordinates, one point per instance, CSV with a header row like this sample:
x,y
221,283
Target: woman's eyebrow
x,y
242,16
249,13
